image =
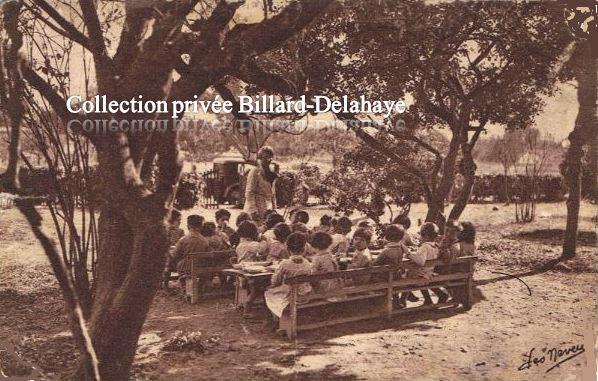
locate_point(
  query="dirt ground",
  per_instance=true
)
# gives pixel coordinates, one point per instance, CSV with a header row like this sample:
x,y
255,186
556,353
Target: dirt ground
x,y
489,342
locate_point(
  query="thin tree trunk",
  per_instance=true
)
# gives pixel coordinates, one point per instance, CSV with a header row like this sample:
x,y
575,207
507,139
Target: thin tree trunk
x,y
573,180
440,194
507,193
593,162
468,170
11,92
585,124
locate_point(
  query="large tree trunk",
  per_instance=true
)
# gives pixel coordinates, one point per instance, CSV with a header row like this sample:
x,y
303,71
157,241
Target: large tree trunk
x,y
573,180
585,125
131,253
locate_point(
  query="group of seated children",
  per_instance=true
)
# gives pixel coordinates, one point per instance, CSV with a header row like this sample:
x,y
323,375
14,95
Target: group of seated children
x,y
458,241
202,237
311,251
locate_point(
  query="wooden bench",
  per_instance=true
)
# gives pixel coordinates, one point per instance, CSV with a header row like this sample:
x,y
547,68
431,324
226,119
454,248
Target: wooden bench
x,y
205,265
374,298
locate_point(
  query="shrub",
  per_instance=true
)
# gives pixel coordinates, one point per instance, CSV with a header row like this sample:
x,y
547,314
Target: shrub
x,y
189,191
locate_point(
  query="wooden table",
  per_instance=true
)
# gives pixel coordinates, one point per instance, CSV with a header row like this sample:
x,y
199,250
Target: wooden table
x,y
241,294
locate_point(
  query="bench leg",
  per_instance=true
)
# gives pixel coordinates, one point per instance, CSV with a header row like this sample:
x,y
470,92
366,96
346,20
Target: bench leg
x,y
468,300
292,333
192,289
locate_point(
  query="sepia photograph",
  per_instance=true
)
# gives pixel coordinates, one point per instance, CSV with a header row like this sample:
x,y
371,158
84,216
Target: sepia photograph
x,y
298,190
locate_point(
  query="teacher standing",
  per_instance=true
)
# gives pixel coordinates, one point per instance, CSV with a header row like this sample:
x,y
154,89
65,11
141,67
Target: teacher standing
x,y
258,191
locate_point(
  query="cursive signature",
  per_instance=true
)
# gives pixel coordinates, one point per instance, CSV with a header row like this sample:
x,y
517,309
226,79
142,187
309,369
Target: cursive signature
x,y
551,356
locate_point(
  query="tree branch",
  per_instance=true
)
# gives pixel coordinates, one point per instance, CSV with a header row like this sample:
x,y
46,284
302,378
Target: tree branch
x,y
353,123
96,37
255,39
134,28
250,72
481,87
57,102
483,55
75,313
72,31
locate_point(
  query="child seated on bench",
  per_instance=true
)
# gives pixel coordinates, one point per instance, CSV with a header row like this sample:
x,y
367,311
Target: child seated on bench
x,y
449,243
300,227
362,225
234,239
427,251
216,242
271,221
394,251
277,248
189,245
325,224
361,259
222,217
174,233
300,216
174,230
405,223
467,240
323,262
249,248
277,296
340,242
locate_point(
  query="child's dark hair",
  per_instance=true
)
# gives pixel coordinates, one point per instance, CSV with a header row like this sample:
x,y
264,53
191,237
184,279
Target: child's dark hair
x,y
363,233
321,240
268,212
468,232
429,229
281,231
299,227
394,233
195,221
208,229
364,224
248,229
301,216
222,213
174,215
296,243
243,216
404,221
326,220
343,225
273,219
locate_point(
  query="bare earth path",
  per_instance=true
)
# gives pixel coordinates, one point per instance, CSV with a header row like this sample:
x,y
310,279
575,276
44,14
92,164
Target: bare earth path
x,y
489,342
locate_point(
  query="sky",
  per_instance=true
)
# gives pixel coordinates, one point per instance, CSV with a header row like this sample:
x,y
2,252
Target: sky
x,y
558,116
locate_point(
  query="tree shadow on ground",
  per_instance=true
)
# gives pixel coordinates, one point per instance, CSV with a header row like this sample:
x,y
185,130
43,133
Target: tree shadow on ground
x,y
554,237
419,320
556,264
328,372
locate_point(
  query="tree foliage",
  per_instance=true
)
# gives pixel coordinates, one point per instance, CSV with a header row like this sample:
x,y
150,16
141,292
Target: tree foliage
x,y
466,67
363,181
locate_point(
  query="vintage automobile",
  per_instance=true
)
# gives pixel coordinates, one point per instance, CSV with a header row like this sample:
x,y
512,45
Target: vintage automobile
x,y
225,182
